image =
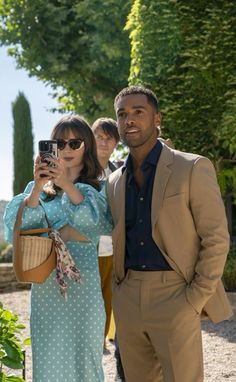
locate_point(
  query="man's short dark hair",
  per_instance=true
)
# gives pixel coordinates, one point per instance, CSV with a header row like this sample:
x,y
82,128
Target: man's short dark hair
x,y
138,89
109,127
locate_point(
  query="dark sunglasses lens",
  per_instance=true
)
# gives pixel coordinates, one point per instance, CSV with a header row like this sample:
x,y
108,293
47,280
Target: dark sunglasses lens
x,y
75,144
61,144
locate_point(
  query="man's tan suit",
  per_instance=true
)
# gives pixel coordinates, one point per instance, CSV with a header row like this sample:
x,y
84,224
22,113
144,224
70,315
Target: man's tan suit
x,y
188,226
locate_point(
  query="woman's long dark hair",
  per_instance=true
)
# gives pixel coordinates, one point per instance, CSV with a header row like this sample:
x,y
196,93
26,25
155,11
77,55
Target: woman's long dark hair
x,y
80,128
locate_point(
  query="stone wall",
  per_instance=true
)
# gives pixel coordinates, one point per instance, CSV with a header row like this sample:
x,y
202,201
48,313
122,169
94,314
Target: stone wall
x,y
8,280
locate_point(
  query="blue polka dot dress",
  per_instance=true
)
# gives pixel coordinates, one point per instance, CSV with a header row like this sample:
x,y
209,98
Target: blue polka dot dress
x,y
67,335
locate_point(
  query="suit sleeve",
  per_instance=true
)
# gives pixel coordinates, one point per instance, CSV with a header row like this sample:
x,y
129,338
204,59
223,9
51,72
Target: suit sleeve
x,y
211,225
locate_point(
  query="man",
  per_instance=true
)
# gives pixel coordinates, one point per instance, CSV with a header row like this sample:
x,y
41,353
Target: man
x,y
170,242
106,135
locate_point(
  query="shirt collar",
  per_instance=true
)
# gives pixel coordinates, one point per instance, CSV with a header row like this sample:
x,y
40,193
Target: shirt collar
x,y
151,158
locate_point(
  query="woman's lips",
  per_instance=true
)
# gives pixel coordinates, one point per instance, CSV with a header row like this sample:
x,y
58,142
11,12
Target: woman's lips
x,y
68,159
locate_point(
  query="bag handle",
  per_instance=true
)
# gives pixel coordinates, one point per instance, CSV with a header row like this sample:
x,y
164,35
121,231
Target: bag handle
x,y
32,231
39,273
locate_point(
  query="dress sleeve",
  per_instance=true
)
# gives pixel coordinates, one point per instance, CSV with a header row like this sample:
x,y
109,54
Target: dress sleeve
x,y
92,216
31,218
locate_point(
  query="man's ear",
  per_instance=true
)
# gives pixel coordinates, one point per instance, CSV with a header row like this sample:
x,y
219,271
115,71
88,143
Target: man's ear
x,y
158,120
158,123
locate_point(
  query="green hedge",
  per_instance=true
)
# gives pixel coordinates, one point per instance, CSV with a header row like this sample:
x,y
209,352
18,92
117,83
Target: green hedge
x,y
229,275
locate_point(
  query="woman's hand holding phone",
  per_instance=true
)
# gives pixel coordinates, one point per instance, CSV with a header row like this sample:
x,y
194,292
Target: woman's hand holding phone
x,y
39,182
47,152
42,173
49,167
61,178
59,174
44,162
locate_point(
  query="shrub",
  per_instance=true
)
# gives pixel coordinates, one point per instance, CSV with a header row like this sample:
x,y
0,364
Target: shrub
x,y
11,353
229,275
6,254
3,245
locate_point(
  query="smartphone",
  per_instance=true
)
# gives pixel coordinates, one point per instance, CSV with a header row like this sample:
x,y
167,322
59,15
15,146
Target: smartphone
x,y
47,150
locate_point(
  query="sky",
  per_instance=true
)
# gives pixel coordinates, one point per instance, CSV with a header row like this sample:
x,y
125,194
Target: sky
x,y
13,81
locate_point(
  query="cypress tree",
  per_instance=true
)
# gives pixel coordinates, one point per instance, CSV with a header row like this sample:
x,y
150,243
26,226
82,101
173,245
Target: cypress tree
x,y
22,143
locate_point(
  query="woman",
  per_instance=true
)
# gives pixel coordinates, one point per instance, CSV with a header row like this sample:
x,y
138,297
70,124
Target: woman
x,y
67,334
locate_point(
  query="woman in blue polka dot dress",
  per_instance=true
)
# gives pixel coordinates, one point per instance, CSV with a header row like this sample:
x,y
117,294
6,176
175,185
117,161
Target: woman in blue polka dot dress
x,y
67,333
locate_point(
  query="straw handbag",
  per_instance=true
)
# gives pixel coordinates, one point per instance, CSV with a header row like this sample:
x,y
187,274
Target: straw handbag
x,y
34,256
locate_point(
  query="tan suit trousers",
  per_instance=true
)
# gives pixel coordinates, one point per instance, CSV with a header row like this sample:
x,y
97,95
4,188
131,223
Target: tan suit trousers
x,y
105,269
159,332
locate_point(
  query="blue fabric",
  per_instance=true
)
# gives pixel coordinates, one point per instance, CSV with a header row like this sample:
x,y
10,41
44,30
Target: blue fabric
x,y
67,336
142,252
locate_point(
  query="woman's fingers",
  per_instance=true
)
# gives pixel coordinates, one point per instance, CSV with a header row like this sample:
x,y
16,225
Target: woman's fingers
x,y
41,171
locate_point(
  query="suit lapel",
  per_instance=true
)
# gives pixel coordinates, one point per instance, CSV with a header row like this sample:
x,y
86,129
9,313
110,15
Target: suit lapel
x,y
120,199
160,181
161,178
119,259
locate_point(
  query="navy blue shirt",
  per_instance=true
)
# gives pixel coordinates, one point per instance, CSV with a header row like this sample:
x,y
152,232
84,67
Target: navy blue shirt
x,y
141,251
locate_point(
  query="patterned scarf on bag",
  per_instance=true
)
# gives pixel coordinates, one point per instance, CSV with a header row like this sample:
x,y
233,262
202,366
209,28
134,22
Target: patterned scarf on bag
x,y
65,264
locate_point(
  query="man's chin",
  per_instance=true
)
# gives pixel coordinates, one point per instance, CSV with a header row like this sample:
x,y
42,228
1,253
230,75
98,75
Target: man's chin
x,y
133,144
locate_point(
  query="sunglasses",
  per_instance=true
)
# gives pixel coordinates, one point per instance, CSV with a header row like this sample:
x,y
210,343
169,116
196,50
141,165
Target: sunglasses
x,y
74,144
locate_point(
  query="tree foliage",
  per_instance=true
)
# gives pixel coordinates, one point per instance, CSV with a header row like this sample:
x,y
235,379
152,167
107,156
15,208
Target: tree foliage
x,y
186,52
79,47
22,144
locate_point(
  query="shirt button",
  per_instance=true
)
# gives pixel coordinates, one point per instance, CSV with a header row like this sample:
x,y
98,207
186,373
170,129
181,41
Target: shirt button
x,y
141,199
140,220
143,266
141,243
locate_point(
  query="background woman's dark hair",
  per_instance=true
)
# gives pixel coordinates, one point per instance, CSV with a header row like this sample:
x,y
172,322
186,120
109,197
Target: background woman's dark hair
x,y
80,128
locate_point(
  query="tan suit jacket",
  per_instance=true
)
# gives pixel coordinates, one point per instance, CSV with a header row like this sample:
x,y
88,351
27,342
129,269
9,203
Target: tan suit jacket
x,y
188,225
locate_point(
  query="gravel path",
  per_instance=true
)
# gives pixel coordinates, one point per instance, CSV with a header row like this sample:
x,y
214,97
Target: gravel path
x,y
219,343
